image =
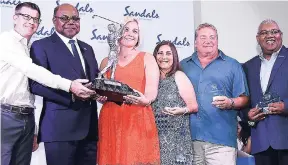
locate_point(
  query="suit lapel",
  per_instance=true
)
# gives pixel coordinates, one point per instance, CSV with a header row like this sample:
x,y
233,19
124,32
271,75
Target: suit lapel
x,y
257,70
280,58
64,52
85,55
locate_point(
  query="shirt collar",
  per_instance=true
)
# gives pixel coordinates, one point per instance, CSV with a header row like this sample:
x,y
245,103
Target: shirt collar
x,y
65,39
19,38
194,56
221,55
274,55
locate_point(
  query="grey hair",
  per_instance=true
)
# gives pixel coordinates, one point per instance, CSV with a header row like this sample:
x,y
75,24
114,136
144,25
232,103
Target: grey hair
x,y
266,21
205,25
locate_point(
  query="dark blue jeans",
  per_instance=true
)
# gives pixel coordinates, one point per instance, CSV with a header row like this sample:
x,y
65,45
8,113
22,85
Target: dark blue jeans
x,y
17,132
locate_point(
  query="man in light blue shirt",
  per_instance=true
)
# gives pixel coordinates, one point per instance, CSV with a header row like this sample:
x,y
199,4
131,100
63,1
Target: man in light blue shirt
x,y
221,88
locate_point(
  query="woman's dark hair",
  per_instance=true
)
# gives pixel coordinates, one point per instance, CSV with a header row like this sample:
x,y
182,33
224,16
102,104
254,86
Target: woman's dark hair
x,y
175,65
245,132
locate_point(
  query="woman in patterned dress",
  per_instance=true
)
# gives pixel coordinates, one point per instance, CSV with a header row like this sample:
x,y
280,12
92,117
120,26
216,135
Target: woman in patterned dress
x,y
175,101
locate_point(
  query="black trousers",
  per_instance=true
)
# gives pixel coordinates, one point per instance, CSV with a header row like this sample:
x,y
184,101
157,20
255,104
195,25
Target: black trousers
x,y
17,132
80,152
272,157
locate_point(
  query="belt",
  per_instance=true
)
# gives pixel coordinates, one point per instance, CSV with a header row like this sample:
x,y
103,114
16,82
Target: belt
x,y
17,109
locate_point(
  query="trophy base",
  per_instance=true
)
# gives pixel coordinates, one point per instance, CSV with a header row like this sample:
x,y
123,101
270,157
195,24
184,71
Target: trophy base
x,y
112,89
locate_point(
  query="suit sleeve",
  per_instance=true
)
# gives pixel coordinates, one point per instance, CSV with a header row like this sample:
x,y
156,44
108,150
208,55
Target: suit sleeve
x,y
39,57
244,112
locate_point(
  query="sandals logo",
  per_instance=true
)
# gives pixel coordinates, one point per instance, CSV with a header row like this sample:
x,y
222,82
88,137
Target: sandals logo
x,y
43,32
176,41
9,3
99,37
81,8
141,14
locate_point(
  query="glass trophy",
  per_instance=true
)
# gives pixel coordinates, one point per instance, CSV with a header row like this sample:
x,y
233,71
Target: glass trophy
x,y
215,90
269,97
180,157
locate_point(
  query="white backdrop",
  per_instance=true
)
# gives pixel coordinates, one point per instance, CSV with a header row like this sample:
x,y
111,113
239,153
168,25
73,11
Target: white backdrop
x,y
158,21
236,21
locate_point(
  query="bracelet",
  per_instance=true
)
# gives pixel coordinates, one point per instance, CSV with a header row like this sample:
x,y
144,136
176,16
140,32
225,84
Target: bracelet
x,y
149,102
251,123
186,110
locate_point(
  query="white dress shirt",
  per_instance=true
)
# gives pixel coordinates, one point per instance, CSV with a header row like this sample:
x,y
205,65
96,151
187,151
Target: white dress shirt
x,y
239,144
266,68
66,41
16,67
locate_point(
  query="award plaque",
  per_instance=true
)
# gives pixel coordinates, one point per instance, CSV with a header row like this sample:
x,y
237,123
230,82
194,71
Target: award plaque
x,y
269,97
112,89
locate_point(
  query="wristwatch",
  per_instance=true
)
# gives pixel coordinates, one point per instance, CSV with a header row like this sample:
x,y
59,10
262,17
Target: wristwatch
x,y
251,123
232,103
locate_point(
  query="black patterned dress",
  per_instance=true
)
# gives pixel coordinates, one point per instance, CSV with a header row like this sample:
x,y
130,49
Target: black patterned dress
x,y
174,133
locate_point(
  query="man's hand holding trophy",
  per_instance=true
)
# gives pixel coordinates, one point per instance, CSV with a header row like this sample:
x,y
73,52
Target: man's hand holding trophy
x,y
219,97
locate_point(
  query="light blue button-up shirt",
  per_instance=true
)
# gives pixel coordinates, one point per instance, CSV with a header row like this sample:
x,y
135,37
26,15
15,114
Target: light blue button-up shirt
x,y
223,76
266,68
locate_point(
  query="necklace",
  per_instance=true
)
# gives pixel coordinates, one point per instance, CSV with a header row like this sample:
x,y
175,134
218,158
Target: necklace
x,y
126,56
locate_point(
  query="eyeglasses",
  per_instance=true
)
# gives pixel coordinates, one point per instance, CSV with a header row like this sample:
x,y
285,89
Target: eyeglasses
x,y
212,37
29,17
272,32
66,19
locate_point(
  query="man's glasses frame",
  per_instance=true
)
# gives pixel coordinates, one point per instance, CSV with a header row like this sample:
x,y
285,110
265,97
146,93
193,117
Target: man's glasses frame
x,y
272,32
66,19
29,17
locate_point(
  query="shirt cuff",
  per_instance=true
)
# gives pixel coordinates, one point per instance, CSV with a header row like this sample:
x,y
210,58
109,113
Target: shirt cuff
x,y
73,98
64,84
36,130
285,101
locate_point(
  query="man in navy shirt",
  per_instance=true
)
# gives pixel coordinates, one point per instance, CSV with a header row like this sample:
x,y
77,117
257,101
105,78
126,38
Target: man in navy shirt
x,y
221,88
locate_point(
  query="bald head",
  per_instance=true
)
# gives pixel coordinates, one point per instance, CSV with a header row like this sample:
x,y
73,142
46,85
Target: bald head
x,y
66,20
265,22
64,6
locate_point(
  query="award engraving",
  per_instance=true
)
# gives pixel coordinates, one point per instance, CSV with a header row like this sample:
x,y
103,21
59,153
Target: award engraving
x,y
215,90
269,97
